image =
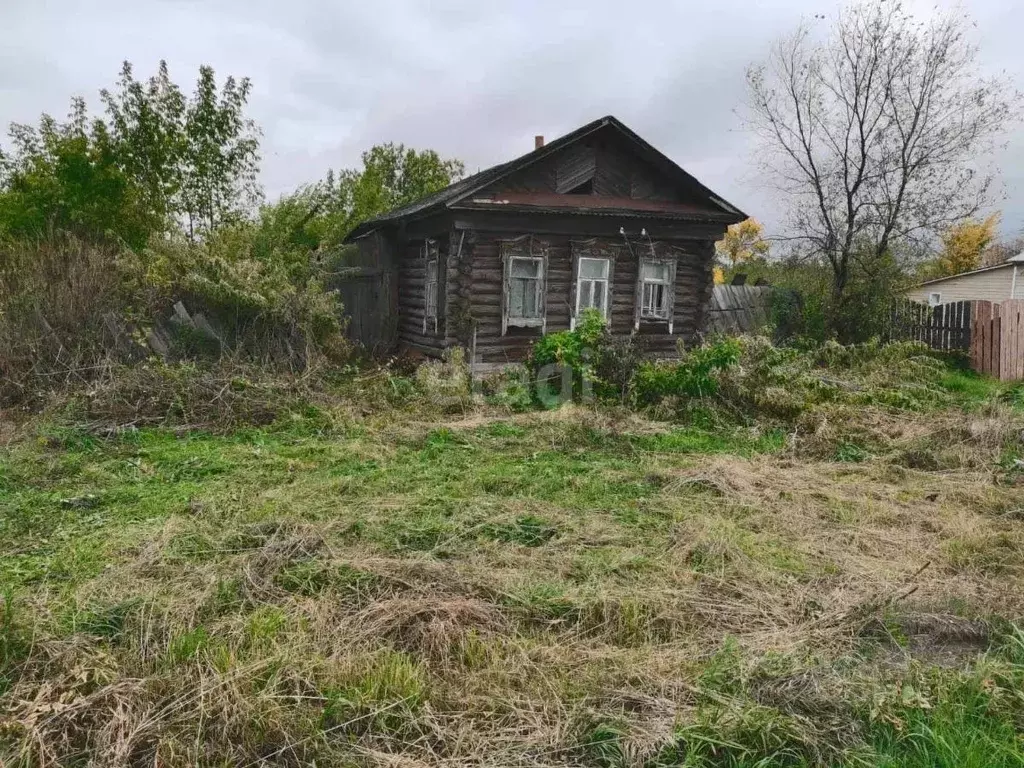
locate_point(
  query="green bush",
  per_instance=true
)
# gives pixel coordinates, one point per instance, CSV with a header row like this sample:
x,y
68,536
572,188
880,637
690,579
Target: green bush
x,y
61,297
575,349
749,377
269,311
597,360
694,376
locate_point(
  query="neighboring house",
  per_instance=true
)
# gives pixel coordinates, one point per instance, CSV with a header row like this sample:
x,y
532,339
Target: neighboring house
x,y
998,283
598,218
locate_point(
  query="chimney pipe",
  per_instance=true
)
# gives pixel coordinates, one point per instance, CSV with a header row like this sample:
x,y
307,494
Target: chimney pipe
x,y
538,142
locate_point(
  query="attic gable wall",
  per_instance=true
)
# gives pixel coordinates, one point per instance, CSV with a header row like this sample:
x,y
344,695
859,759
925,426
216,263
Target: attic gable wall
x,y
609,161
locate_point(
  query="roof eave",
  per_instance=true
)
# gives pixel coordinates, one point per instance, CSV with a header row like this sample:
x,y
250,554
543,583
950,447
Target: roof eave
x,y
934,280
709,217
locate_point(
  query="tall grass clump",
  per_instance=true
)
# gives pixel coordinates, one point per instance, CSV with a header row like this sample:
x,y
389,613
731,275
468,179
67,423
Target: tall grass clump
x,y
267,309
71,310
750,377
54,295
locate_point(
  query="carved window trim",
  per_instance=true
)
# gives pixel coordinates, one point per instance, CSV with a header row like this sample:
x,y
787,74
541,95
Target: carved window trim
x,y
588,249
526,249
666,313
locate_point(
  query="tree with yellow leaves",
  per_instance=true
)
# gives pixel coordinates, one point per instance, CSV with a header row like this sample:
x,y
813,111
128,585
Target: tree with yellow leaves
x,y
964,245
742,242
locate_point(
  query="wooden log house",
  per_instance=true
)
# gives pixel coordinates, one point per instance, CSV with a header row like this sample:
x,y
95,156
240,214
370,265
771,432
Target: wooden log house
x,y
598,218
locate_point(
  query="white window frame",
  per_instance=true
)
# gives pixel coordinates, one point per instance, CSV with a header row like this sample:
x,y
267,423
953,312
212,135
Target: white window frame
x,y
539,320
431,259
665,313
606,280
430,289
934,299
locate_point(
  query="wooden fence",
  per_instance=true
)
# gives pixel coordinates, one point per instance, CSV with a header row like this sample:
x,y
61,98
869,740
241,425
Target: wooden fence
x,y
739,308
990,333
997,339
945,327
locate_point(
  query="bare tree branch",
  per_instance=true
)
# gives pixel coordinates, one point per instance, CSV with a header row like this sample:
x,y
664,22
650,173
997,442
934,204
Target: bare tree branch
x,y
877,135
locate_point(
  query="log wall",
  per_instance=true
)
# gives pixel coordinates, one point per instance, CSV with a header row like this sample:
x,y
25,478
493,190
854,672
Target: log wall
x,y
482,267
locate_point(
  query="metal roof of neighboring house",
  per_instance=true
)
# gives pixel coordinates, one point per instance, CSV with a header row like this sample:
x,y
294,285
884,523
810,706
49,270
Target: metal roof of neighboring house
x,y
1016,260
458,192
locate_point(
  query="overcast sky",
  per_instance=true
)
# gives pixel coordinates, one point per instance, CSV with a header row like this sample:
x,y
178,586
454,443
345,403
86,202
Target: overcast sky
x,y
473,80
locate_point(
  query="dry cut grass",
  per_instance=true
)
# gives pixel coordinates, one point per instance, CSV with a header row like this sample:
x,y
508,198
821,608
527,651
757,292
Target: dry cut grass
x,y
550,589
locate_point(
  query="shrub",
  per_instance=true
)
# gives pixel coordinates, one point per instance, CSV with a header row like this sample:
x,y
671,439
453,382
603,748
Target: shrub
x,y
598,362
267,310
446,382
576,350
509,389
694,376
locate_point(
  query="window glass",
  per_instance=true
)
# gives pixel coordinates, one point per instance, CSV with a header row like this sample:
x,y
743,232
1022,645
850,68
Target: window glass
x,y
525,268
586,294
656,290
524,288
430,289
656,272
592,285
594,268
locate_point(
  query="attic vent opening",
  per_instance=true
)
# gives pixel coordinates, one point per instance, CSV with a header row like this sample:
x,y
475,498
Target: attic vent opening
x,y
586,188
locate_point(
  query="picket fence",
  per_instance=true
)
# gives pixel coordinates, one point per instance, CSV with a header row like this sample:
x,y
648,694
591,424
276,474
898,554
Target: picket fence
x,y
990,333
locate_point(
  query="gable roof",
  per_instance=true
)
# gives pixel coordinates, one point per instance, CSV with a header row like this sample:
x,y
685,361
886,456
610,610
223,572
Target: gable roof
x,y
456,193
1013,262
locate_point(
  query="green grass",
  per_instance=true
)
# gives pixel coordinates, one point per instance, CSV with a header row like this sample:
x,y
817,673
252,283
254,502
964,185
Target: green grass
x,y
969,386
73,503
545,585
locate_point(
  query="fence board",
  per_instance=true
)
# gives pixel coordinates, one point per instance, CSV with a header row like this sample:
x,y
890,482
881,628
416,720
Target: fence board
x,y
1018,373
946,326
738,309
990,333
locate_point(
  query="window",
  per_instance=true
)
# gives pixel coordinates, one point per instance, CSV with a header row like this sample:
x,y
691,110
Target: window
x,y
431,295
430,288
592,285
934,299
523,292
656,291
525,299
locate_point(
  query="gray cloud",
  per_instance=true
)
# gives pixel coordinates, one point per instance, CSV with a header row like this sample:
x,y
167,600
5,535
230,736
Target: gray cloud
x,y
472,80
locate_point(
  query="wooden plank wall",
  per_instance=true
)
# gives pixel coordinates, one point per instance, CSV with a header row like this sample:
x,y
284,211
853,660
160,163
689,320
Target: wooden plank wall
x,y
367,289
412,273
736,309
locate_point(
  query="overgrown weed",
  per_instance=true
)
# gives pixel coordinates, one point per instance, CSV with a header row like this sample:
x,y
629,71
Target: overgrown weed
x,y
347,570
